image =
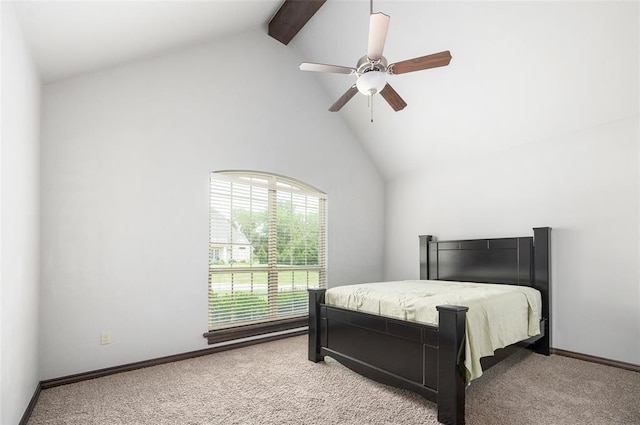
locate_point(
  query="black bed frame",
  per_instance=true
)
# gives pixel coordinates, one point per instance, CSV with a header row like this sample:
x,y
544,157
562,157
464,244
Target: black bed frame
x,y
429,359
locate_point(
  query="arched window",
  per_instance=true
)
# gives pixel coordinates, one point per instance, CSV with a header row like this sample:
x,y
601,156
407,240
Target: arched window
x,y
267,246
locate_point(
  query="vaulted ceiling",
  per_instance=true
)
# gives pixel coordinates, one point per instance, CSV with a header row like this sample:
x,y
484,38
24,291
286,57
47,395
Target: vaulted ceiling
x,y
521,71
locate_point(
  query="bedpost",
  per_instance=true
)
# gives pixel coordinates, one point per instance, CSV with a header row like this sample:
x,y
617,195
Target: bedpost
x,y
316,297
424,256
451,372
542,282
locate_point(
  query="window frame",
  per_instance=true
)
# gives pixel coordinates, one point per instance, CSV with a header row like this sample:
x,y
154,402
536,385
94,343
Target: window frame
x,y
275,322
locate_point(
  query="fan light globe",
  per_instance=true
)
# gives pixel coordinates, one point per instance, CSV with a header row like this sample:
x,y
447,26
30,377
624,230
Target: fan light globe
x,y
371,82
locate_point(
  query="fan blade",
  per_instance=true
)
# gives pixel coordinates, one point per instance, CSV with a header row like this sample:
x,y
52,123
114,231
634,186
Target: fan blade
x,y
378,26
344,99
321,67
393,98
425,62
291,17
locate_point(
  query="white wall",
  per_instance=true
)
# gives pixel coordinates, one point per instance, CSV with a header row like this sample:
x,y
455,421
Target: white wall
x,y
584,185
583,181
19,223
126,156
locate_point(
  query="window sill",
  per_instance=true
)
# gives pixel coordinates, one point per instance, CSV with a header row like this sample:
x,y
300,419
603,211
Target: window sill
x,y
246,331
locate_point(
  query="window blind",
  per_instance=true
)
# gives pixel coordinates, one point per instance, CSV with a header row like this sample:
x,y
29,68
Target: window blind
x,y
267,246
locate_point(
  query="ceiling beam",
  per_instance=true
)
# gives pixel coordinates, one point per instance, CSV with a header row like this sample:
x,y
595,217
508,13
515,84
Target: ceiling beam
x,y
291,17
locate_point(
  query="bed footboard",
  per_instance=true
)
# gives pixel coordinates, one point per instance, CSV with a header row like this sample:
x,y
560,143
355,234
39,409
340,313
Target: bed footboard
x,y
421,358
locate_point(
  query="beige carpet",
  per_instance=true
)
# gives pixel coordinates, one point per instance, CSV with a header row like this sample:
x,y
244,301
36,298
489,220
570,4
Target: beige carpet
x,y
274,383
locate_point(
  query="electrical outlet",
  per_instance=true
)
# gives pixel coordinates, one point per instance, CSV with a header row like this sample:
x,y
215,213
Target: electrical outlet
x,y
105,338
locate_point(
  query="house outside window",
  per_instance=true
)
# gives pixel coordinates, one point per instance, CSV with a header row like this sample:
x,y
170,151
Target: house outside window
x,y
215,254
267,246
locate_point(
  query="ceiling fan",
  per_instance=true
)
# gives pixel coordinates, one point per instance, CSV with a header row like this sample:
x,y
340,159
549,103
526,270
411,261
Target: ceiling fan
x,y
373,68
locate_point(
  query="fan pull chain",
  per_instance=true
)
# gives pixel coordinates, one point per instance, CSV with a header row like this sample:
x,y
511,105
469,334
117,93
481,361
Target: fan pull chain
x,y
371,96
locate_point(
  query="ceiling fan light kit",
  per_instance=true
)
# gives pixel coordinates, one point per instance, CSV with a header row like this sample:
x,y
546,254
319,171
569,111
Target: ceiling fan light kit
x,y
371,82
372,69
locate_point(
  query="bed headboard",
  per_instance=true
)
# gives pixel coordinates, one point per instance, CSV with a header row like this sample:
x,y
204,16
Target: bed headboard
x,y
504,260
516,261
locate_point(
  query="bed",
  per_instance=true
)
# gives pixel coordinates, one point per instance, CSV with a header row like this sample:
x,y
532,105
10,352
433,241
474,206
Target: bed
x,y
426,358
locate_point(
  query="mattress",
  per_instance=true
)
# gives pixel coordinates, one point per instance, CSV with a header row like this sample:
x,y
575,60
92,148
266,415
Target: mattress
x,y
499,315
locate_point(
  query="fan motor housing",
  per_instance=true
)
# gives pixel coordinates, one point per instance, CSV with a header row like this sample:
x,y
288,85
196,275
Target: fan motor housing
x,y
365,65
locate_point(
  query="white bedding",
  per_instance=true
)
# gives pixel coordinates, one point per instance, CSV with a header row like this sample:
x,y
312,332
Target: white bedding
x,y
499,315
